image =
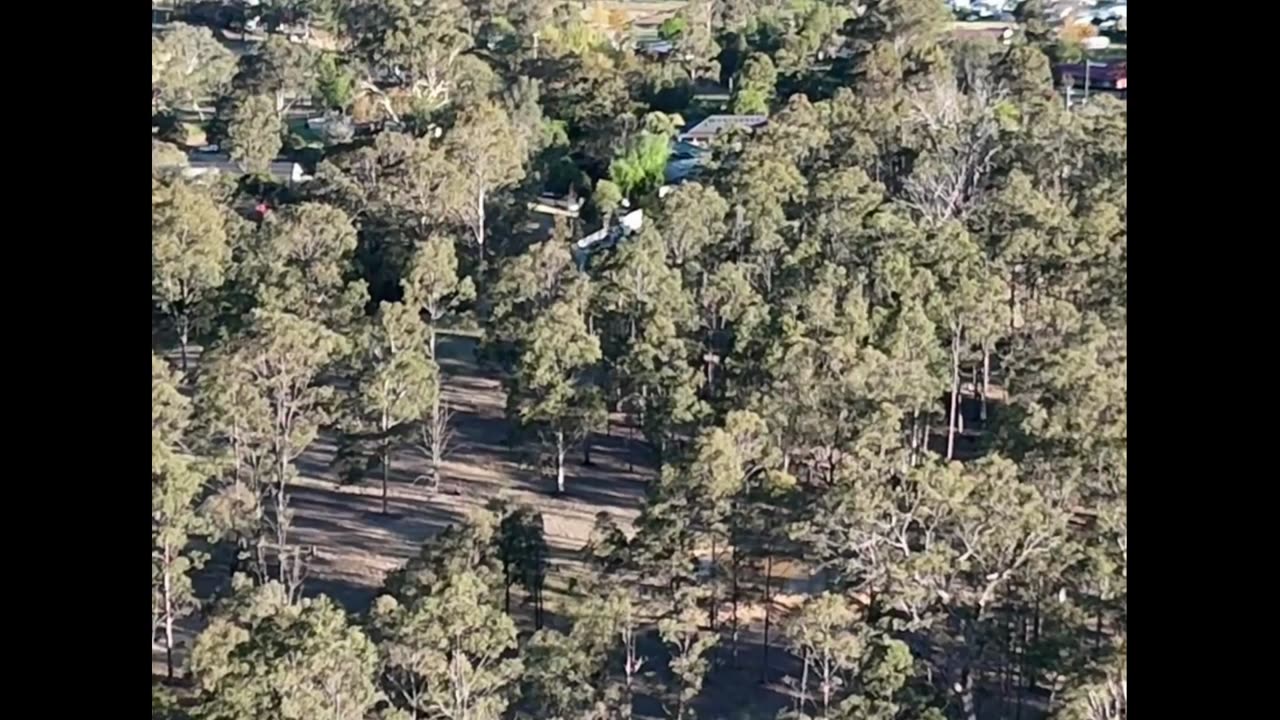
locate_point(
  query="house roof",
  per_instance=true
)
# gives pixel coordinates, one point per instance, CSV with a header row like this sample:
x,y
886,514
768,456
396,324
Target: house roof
x,y
993,30
200,163
552,205
715,124
1102,71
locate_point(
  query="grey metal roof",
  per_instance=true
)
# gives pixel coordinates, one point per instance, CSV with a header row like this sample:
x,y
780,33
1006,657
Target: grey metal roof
x,y
715,124
206,162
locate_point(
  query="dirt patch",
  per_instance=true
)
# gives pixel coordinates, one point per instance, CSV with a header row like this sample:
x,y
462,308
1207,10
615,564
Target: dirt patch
x,y
356,545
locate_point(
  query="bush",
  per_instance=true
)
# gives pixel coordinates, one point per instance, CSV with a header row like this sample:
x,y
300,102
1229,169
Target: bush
x,y
641,168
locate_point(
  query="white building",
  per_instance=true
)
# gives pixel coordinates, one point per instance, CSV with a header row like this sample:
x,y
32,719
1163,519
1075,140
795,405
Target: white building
x,y
202,163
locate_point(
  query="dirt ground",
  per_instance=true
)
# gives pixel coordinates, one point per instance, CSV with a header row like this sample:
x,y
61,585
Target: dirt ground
x,y
355,545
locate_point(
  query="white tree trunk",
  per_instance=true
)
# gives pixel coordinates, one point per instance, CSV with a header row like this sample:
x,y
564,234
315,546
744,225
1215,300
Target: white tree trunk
x,y
168,611
480,229
386,453
184,332
955,392
986,383
560,453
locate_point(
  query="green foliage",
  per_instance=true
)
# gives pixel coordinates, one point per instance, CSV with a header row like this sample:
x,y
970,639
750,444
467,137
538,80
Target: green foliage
x,y
189,252
527,285
673,27
607,197
166,160
432,283
522,548
640,168
269,658
175,487
445,654
165,705
550,392
254,134
395,382
823,635
691,224
755,87
1036,26
921,257
301,262
335,82
643,304
282,70
274,365
489,152
419,47
188,65
688,645
558,681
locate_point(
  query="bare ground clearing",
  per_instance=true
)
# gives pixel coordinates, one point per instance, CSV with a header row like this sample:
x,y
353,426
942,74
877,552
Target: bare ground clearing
x,y
356,545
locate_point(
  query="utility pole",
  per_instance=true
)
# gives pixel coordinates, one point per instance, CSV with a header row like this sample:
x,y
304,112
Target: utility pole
x,y
1086,77
1087,64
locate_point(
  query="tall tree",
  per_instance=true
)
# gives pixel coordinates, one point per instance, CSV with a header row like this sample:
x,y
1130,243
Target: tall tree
x,y
175,486
970,307
232,417
522,547
267,657
550,392
302,263
433,283
991,529
396,381
688,645
281,70
527,285
710,482
280,357
589,671
417,47
446,654
559,682
691,223
823,634
696,47
529,21
642,306
189,253
755,87
470,546
489,153
958,135
188,65
254,134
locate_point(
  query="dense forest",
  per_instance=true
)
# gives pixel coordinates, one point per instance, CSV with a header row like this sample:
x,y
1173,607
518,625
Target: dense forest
x,y
880,337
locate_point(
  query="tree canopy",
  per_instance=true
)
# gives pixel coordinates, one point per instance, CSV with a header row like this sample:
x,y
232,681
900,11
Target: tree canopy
x,y
849,386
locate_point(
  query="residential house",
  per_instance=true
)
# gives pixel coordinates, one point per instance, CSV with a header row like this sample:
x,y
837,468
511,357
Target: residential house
x,y
202,163
704,132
